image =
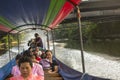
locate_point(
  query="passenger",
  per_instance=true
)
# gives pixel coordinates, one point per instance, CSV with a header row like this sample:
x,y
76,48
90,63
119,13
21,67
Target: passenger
x,y
38,58
34,59
38,40
45,62
30,50
27,53
53,63
25,65
15,70
37,51
43,55
37,68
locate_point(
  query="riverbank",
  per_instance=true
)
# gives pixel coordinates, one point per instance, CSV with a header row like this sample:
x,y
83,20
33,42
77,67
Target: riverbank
x,y
3,47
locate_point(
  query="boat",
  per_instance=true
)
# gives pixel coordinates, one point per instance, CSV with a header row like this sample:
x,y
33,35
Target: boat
x,y
20,15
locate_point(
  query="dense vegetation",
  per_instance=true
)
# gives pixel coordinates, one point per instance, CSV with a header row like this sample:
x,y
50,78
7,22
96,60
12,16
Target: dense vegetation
x,y
89,31
12,38
109,30
96,37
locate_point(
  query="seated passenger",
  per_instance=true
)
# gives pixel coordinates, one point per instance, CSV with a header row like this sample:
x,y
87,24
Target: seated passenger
x,y
45,62
25,65
34,60
53,63
37,68
30,50
26,52
38,58
37,51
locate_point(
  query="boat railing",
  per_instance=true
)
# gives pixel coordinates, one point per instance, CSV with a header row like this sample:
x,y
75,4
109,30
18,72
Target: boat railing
x,y
84,76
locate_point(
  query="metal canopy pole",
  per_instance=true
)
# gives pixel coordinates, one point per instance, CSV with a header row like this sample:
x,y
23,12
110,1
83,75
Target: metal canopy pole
x,y
53,41
9,45
81,40
48,44
18,43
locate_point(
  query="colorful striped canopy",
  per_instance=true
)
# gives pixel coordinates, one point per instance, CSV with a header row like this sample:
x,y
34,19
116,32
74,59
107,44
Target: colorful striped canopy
x,y
15,13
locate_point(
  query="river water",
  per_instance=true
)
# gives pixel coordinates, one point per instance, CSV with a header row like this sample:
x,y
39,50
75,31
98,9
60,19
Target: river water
x,y
101,65
95,64
5,58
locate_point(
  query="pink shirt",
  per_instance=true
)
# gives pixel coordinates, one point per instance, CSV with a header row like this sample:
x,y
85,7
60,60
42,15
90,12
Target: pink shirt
x,y
31,77
36,70
15,71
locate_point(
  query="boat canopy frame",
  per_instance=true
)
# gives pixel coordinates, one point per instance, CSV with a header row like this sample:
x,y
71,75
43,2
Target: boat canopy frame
x,y
34,28
80,32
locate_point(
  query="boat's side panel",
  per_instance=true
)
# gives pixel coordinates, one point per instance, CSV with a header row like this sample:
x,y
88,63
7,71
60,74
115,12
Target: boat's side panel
x,y
5,70
70,74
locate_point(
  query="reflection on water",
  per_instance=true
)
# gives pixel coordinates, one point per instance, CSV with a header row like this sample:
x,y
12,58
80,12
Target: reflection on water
x,y
111,48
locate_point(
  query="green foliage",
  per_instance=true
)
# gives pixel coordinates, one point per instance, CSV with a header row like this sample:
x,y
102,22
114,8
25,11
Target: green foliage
x,y
88,29
22,36
5,39
71,31
90,32
67,31
108,29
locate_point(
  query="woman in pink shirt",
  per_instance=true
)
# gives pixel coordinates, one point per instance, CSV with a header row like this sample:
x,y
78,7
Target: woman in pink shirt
x,y
25,65
37,69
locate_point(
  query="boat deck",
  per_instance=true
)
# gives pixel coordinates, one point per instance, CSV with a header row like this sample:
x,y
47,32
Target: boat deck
x,y
55,76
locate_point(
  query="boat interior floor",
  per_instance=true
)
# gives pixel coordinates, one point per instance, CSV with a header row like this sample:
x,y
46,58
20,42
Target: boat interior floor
x,y
54,76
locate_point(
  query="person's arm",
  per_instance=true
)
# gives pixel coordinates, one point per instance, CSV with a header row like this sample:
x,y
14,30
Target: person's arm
x,y
54,66
55,70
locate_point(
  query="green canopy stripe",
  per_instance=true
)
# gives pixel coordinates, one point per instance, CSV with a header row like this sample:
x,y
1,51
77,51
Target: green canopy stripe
x,y
53,10
5,22
49,11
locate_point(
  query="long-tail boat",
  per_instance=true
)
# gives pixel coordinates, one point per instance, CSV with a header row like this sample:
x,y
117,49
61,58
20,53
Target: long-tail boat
x,y
19,15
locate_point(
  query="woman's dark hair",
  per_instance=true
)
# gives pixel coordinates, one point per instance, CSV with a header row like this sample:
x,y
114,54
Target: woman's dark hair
x,y
26,53
25,59
48,51
18,56
43,55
